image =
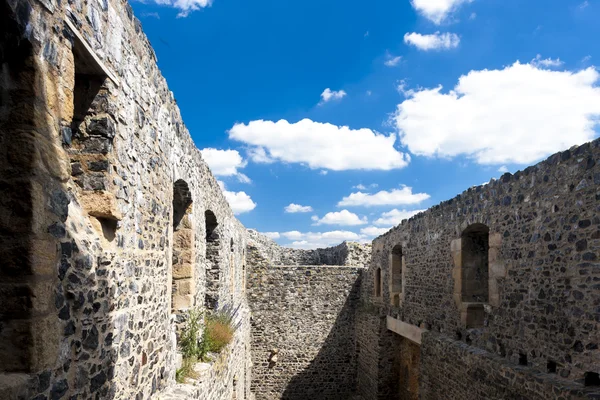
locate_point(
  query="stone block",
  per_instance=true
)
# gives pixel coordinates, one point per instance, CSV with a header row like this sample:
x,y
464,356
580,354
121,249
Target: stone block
x,y
182,238
44,257
100,204
455,245
184,287
495,240
185,257
181,271
182,302
497,269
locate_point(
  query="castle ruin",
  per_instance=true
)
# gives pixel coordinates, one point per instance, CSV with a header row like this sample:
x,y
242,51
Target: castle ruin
x,y
112,226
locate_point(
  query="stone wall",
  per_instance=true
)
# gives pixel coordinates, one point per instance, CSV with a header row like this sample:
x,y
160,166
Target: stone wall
x,y
346,253
303,329
455,370
99,262
539,307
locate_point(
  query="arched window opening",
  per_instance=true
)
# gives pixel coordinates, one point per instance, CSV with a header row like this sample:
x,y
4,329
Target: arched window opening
x,y
213,272
183,249
182,200
475,251
378,282
396,275
231,245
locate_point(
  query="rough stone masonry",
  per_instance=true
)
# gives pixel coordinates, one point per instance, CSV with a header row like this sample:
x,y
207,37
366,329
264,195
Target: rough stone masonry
x,y
112,226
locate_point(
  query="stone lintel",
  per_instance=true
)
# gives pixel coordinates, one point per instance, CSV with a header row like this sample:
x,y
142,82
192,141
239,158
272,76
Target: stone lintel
x,y
408,331
90,55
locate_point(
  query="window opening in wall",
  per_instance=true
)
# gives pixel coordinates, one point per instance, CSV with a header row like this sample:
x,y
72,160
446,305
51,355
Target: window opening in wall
x,y
551,367
378,282
396,275
522,359
89,78
591,379
183,249
231,244
475,251
213,273
211,225
109,228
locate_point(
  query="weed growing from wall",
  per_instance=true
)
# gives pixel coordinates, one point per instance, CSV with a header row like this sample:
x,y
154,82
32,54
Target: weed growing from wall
x,y
196,344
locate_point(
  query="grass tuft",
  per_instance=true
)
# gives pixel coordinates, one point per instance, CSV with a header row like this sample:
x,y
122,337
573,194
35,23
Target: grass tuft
x,y
218,333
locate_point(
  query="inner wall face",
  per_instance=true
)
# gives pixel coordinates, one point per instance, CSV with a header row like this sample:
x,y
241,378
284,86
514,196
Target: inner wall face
x,y
103,228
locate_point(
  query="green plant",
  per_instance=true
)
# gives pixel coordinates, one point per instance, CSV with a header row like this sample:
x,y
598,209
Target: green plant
x,y
189,341
218,333
186,370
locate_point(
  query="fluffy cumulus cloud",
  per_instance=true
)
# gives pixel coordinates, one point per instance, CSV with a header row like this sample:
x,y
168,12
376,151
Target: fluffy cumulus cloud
x,y
394,217
394,197
342,218
313,240
225,163
435,41
185,6
297,208
518,114
239,202
319,145
437,10
329,95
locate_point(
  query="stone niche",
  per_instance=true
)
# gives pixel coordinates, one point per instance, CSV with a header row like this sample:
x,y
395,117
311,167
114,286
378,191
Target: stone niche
x,y
476,270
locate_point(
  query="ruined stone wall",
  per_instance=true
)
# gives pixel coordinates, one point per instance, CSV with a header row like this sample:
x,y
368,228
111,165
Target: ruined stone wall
x,y
303,329
542,235
455,370
98,266
346,253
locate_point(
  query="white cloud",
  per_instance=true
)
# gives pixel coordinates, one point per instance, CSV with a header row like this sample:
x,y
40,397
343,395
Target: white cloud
x,y
538,61
369,92
342,218
225,163
437,10
394,197
519,115
395,217
313,240
392,61
297,208
436,41
583,5
239,202
372,231
272,235
329,95
360,186
185,6
320,145
323,172
503,169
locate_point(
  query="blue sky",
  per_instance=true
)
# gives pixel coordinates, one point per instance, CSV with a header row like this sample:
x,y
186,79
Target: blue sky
x,y
333,120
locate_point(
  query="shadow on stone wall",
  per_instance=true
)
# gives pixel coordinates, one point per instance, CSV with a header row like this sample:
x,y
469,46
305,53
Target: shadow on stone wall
x,y
332,373
56,333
